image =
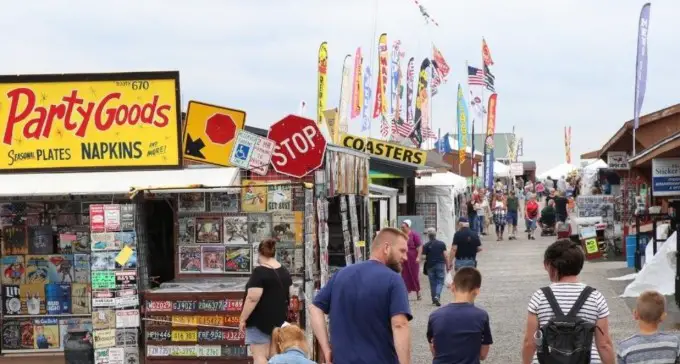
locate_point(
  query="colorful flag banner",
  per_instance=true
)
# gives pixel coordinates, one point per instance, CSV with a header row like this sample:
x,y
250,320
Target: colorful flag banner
x,y
368,94
462,117
476,86
489,79
422,105
357,87
520,147
380,106
486,54
641,63
345,100
440,70
489,143
410,74
394,74
444,144
323,85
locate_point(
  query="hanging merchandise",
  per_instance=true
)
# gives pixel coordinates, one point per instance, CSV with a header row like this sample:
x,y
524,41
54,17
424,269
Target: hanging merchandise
x,y
357,87
322,92
345,99
115,297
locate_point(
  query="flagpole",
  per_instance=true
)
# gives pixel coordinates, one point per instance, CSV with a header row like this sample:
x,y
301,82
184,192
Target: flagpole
x,y
484,126
472,134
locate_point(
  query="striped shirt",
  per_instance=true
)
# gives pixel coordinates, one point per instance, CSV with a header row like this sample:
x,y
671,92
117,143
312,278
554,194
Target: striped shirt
x,y
658,348
566,294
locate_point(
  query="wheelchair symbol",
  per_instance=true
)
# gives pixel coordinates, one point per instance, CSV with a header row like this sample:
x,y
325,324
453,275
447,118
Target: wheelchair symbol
x,y
242,152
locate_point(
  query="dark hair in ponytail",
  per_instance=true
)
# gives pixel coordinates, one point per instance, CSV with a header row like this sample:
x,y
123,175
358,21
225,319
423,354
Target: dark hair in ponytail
x,y
267,248
565,257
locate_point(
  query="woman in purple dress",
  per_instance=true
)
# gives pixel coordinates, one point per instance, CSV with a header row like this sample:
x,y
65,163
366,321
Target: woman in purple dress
x,y
411,267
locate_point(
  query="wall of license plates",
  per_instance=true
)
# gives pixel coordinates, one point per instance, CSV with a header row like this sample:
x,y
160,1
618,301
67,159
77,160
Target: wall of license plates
x,y
46,273
115,298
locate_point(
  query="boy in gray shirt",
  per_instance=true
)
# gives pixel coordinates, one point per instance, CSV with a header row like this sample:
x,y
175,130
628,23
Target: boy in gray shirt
x,y
649,345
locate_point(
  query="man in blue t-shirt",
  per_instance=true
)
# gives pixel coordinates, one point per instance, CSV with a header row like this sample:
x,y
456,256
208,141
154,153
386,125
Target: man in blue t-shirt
x,y
436,264
460,332
368,308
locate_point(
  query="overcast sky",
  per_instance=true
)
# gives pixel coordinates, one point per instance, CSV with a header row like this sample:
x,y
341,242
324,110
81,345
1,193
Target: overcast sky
x,y
557,63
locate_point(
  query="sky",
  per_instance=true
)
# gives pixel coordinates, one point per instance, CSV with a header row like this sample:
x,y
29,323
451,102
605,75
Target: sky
x,y
557,64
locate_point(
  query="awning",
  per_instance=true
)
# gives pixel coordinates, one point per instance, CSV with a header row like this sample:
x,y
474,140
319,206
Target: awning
x,y
383,190
103,183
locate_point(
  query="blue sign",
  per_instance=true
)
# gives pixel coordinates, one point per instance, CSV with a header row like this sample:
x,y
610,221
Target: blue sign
x,y
666,177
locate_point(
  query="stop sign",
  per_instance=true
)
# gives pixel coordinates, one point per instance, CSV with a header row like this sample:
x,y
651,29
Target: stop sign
x,y
300,146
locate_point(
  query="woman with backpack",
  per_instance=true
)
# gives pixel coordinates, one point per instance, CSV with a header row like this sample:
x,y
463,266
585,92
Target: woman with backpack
x,y
531,215
568,322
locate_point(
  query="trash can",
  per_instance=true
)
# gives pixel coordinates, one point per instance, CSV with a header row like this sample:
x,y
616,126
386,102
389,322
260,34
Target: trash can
x,y
78,348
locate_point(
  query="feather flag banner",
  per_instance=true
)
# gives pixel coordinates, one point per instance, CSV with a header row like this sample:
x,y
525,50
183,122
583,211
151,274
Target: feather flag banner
x,y
462,116
368,94
380,106
489,143
641,64
422,104
486,54
394,74
440,70
341,126
357,87
410,74
322,93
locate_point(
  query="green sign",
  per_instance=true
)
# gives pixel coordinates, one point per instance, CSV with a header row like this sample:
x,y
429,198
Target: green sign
x,y
103,279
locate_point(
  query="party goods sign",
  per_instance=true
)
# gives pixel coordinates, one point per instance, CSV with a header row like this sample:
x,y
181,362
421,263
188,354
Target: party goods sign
x,y
210,133
82,121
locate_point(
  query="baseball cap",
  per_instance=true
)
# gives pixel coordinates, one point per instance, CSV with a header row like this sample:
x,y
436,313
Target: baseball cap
x,y
407,222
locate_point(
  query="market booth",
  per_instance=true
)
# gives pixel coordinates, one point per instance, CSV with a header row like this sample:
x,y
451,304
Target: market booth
x,y
106,236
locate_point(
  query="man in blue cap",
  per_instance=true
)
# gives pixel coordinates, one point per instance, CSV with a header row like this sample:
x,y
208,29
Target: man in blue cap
x,y
466,245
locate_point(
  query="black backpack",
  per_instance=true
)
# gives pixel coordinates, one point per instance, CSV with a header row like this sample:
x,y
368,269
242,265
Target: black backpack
x,y
565,339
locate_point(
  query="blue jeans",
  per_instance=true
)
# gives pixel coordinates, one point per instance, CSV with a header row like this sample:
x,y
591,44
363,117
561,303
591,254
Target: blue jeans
x,y
436,274
461,263
480,224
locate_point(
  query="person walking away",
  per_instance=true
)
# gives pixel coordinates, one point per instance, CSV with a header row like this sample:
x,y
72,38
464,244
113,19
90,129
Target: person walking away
x,y
564,315
486,212
436,264
412,264
368,307
531,216
513,207
649,345
540,190
499,216
460,332
466,244
265,306
479,205
561,207
472,213
290,345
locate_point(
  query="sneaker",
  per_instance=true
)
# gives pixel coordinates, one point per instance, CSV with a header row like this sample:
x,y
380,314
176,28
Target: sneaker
x,y
529,236
437,303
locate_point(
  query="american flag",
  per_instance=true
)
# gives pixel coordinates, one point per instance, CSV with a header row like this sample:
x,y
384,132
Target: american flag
x,y
489,79
475,76
384,127
428,133
401,128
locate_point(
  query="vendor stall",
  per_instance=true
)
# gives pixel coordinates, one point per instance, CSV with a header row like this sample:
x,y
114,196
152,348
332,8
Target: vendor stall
x,y
436,202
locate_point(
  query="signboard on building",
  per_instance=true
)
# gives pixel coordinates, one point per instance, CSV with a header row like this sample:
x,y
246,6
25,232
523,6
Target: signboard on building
x,y
85,121
517,168
666,177
618,160
210,133
384,149
299,146
252,152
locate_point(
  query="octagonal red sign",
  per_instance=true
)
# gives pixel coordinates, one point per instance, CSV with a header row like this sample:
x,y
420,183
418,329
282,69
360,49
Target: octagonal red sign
x,y
220,128
300,146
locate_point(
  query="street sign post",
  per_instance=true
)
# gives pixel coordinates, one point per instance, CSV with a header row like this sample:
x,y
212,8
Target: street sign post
x,y
300,146
210,133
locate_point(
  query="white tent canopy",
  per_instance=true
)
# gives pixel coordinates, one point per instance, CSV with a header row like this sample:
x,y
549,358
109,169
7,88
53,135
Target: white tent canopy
x,y
556,172
500,169
595,165
443,179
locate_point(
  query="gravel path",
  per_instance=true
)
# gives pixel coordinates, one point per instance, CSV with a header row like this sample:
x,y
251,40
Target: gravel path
x,y
512,271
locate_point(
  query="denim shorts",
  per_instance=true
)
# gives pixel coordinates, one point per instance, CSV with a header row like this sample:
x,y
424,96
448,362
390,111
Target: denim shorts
x,y
255,336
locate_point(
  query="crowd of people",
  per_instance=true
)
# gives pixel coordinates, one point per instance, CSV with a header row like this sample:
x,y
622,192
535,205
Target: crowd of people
x,y
369,311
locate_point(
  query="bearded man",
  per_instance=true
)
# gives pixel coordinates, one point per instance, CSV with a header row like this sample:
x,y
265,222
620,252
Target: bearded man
x,y
368,307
